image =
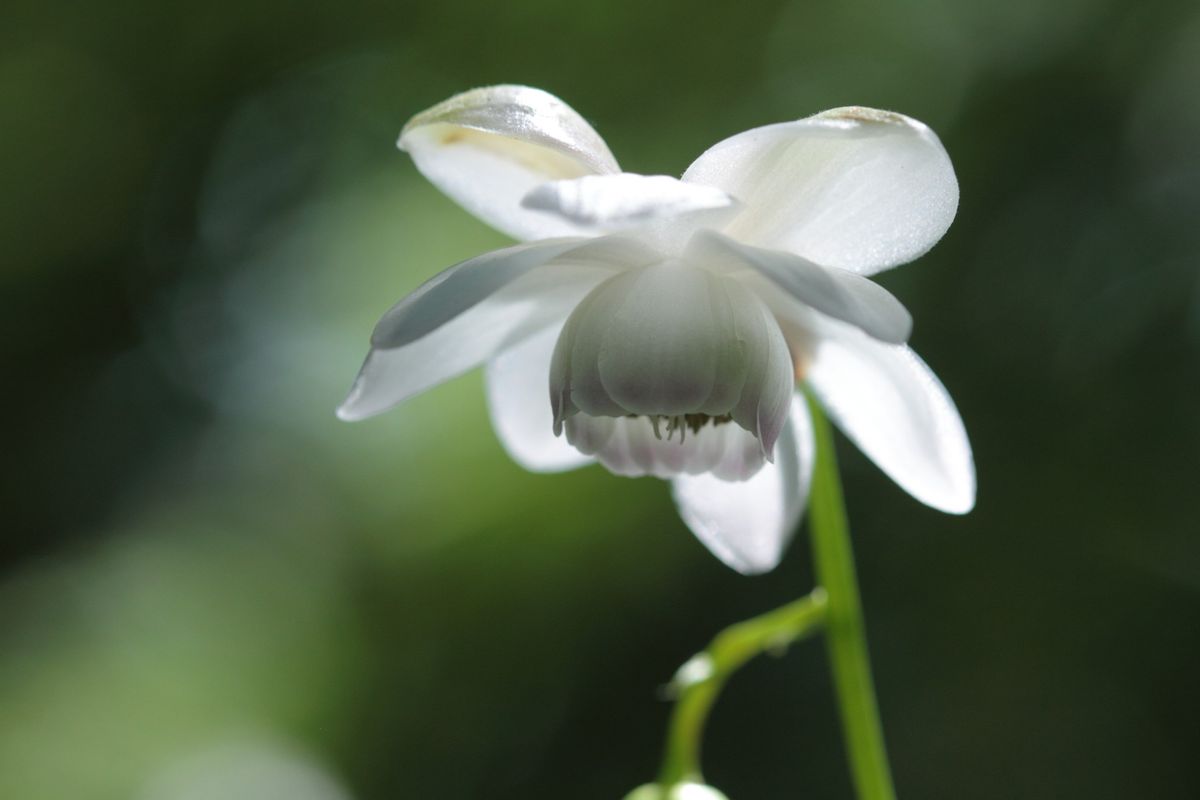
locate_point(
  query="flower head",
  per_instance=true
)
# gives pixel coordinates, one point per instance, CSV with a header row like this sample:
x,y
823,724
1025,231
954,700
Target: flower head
x,y
661,326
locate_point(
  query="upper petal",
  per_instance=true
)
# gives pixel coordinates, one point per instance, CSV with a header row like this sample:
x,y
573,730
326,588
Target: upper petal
x,y
834,292
516,382
854,188
488,147
748,524
897,412
472,311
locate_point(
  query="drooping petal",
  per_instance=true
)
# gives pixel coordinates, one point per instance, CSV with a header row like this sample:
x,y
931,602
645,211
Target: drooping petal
x,y
456,289
516,383
854,188
748,524
892,406
671,340
614,202
834,292
637,446
472,311
391,375
488,147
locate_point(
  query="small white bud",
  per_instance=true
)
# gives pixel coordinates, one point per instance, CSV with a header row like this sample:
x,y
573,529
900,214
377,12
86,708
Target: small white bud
x,y
680,791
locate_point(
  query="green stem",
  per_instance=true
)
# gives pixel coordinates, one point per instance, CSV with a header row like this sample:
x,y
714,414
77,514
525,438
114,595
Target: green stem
x,y
845,633
699,682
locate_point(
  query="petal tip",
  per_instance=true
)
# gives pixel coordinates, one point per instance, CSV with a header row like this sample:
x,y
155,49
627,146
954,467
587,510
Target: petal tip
x,y
750,569
959,505
356,406
865,115
347,412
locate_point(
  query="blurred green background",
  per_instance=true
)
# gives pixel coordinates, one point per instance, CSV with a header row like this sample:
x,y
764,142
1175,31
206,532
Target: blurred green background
x,y
212,589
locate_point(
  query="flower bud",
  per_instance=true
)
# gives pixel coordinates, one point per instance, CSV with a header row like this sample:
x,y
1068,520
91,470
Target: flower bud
x,y
679,791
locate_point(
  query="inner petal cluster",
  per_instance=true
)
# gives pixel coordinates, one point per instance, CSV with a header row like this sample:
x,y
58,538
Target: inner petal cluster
x,y
664,351
637,445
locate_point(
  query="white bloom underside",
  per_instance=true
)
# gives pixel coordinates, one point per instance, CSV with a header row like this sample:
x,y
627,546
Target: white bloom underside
x,y
660,326
665,343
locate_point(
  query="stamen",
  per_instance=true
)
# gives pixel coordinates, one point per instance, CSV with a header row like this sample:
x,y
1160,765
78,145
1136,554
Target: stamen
x,y
675,423
682,423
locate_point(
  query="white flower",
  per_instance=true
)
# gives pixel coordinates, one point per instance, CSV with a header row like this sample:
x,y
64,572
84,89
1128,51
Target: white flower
x,y
661,326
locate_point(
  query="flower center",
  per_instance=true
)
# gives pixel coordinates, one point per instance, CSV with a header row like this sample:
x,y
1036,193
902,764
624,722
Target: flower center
x,y
682,423
676,345
637,444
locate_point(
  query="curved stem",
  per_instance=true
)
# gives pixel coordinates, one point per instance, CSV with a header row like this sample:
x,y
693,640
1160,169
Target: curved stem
x,y
845,633
698,683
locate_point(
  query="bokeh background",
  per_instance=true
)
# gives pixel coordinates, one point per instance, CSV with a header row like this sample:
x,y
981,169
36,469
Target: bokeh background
x,y
212,589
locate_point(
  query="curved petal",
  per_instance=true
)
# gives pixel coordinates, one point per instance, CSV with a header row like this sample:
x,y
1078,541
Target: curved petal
x,y
897,412
517,381
854,188
454,290
488,147
472,311
748,524
834,292
612,202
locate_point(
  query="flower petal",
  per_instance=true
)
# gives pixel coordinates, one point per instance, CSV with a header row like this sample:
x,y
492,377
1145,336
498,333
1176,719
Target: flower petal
x,y
897,412
472,311
854,188
748,524
834,292
613,202
488,147
391,375
454,290
517,381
